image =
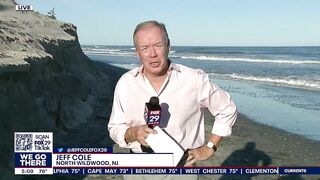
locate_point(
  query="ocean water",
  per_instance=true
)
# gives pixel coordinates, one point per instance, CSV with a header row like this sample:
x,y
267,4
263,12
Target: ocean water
x,y
277,86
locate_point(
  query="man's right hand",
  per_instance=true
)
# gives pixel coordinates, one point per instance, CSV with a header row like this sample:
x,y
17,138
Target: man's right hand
x,y
139,133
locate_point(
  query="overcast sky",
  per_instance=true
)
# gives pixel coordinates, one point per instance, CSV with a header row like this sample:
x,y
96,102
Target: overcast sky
x,y
192,22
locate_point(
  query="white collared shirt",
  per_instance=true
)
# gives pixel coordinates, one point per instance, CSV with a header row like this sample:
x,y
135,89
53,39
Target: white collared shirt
x,y
183,96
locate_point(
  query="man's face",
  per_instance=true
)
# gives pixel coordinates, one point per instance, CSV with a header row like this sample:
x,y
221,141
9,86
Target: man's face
x,y
152,50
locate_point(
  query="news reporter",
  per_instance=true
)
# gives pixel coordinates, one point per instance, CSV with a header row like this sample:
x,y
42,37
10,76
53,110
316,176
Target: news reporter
x,y
186,91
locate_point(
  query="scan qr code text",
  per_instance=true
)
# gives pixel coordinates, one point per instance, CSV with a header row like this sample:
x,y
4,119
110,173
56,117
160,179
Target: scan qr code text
x,y
42,142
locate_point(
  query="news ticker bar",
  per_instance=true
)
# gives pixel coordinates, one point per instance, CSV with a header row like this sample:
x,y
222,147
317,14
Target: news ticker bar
x,y
35,155
173,170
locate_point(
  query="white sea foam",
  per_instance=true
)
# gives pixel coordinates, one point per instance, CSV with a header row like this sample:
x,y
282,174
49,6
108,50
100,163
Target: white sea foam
x,y
173,56
309,84
125,66
278,61
112,52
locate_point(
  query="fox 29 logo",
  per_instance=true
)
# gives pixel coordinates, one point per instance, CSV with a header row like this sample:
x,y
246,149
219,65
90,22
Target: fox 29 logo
x,y
154,117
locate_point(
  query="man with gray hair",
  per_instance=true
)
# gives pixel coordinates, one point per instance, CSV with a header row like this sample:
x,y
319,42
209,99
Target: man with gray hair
x,y
185,92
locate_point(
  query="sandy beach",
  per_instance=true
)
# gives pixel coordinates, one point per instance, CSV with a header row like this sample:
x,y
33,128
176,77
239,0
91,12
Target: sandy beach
x,y
254,144
283,148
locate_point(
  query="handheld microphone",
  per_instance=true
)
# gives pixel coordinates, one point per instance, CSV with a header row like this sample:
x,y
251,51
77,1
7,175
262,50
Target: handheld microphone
x,y
152,112
152,115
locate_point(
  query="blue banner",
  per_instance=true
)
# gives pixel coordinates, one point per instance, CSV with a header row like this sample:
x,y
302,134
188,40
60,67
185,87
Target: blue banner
x,y
33,160
299,170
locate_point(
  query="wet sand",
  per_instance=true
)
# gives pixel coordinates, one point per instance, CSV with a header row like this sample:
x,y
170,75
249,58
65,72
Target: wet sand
x,y
254,144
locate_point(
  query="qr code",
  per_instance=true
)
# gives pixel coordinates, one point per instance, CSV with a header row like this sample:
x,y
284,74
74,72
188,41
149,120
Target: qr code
x,y
24,142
